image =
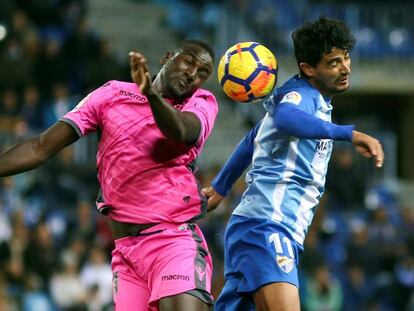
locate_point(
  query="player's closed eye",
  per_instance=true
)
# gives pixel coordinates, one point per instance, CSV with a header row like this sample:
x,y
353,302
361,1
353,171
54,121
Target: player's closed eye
x,y
333,64
202,74
188,61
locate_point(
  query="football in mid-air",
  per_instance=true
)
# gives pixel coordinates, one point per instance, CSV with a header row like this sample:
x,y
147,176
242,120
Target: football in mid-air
x,y
247,71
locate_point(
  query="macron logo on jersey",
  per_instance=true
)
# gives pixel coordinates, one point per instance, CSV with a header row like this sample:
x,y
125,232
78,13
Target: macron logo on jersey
x,y
138,98
175,277
292,97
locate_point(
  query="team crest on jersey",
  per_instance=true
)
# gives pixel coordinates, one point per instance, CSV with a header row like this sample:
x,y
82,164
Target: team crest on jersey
x,y
292,97
285,263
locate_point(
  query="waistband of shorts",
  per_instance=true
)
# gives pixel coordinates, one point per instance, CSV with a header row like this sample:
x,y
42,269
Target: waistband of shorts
x,y
121,230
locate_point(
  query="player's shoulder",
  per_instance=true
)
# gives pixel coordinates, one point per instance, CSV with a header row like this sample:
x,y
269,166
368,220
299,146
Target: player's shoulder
x,y
295,91
121,89
205,95
117,85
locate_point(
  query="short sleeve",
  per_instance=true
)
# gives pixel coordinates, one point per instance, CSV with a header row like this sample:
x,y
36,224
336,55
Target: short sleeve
x,y
205,107
85,118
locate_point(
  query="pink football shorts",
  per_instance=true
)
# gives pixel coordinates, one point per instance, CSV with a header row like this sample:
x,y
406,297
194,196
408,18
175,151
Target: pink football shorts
x,y
162,261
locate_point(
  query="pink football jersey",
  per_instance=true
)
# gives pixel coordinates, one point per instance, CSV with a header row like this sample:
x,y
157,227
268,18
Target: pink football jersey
x,y
145,177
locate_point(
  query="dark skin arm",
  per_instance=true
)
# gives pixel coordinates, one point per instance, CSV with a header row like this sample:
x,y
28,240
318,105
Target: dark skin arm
x,y
34,152
176,125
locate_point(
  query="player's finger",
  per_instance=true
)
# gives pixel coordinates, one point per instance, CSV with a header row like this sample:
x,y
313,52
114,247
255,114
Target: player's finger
x,y
142,78
207,191
380,155
377,152
133,61
137,58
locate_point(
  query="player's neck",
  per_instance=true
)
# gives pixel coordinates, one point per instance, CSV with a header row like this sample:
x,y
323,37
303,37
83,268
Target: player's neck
x,y
325,93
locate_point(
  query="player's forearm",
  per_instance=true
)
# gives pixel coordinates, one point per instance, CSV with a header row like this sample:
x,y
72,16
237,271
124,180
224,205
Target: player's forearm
x,y
298,123
21,158
32,153
237,163
172,123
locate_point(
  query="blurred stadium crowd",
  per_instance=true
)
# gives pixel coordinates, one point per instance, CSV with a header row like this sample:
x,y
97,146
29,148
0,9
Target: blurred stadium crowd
x,y
384,30
55,248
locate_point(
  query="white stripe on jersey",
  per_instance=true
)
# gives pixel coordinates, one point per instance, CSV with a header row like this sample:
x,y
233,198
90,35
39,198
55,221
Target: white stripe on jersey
x,y
279,192
257,148
305,212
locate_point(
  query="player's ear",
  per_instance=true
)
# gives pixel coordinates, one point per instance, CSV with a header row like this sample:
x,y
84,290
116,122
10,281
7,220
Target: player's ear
x,y
307,69
168,55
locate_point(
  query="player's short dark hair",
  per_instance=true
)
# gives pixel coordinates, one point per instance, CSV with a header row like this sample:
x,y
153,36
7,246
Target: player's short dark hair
x,y
202,44
312,40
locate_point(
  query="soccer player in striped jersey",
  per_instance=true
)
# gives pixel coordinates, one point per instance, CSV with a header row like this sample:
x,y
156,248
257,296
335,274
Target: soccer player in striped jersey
x,y
289,151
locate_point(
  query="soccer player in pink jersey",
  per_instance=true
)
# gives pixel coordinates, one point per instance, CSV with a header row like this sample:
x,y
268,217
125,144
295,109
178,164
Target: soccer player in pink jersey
x,y
151,132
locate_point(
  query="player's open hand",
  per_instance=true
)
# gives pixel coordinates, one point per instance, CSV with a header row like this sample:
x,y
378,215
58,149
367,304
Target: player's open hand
x,y
140,72
369,147
213,198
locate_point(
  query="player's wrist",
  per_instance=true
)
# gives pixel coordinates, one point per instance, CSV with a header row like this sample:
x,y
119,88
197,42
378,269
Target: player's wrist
x,y
356,136
151,95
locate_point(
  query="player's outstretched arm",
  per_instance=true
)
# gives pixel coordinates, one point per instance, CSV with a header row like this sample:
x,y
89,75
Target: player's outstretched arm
x,y
368,146
32,153
234,167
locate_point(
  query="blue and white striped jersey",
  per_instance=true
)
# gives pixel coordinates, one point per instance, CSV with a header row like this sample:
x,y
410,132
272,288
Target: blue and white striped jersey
x,y
287,176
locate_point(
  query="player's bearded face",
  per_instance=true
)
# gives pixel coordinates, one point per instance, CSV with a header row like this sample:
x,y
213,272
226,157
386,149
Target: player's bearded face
x,y
333,71
186,72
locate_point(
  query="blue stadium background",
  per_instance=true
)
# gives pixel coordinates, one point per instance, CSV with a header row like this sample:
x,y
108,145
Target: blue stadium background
x,y
55,248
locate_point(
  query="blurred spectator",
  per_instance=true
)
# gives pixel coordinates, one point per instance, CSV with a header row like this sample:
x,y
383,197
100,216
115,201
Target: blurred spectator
x,y
313,255
7,303
21,28
103,67
78,248
31,109
357,255
323,291
96,276
83,225
9,104
384,238
12,255
404,289
34,298
10,196
72,11
13,57
80,48
40,255
51,66
344,183
406,227
60,103
358,289
9,117
66,287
